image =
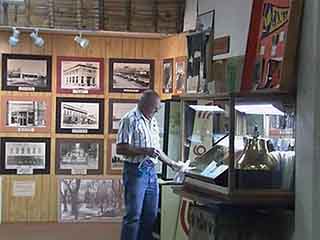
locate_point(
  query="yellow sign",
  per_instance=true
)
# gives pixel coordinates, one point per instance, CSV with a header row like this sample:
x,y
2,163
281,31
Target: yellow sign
x,y
273,18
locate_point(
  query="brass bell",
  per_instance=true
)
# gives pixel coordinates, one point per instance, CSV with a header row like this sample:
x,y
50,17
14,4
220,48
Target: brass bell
x,y
256,155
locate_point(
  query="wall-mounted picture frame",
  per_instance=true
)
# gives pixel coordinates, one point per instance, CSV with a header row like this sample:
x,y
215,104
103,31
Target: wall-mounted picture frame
x,y
25,156
22,72
79,156
80,115
80,75
180,75
114,161
90,200
26,114
117,109
131,75
167,75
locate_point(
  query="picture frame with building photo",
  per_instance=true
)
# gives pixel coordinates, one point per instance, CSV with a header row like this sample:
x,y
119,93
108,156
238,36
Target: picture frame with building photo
x,y
114,161
79,156
26,114
90,200
131,75
22,72
25,155
117,109
80,115
80,75
167,75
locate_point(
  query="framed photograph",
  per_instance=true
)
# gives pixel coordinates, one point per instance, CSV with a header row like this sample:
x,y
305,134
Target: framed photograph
x,y
131,75
80,115
167,76
181,75
272,46
26,72
117,109
80,75
26,114
25,156
90,200
114,161
79,156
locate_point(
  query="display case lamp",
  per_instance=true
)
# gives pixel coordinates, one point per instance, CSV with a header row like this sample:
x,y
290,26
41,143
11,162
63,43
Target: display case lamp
x,y
207,108
261,109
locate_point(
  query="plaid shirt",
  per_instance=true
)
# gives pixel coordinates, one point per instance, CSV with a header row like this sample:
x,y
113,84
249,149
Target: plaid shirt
x,y
138,131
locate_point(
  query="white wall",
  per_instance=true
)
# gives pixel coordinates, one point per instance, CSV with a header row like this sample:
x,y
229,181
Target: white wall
x,y
233,19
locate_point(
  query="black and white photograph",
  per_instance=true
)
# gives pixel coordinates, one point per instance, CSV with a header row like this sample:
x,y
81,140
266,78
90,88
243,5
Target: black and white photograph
x,y
117,109
80,75
115,161
181,75
90,200
26,113
205,21
26,72
72,156
167,76
25,153
131,75
78,115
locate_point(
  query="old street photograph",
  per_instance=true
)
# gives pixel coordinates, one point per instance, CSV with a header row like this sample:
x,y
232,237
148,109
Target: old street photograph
x,y
90,200
131,75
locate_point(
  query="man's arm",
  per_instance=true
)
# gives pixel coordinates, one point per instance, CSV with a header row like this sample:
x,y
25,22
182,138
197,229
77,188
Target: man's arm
x,y
129,150
173,164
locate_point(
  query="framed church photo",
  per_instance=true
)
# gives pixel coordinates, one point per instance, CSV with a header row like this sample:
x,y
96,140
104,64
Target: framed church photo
x,y
80,75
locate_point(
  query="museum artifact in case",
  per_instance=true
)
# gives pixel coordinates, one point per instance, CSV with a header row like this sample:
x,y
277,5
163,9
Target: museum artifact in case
x,y
241,146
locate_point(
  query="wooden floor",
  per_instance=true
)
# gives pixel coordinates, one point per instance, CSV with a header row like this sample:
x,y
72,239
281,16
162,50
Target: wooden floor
x,y
68,231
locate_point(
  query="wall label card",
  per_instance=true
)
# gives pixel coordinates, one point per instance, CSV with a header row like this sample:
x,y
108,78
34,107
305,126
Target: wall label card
x,y
24,188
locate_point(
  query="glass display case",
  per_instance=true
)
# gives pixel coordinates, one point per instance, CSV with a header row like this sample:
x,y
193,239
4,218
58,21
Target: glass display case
x,y
169,121
240,146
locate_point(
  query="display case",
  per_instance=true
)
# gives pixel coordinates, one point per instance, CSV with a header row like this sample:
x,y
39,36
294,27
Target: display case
x,y
241,146
170,134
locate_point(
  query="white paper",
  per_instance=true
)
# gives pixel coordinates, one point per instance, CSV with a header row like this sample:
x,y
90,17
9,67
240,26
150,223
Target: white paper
x,y
75,171
25,170
24,188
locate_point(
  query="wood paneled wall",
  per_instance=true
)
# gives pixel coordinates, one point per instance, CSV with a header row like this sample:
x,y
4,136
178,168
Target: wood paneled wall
x,y
43,206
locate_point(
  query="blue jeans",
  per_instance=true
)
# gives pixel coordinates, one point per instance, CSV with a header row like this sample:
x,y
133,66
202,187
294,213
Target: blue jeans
x,y
141,194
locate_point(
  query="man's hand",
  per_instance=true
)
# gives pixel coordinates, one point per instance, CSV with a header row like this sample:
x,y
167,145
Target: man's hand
x,y
152,152
176,166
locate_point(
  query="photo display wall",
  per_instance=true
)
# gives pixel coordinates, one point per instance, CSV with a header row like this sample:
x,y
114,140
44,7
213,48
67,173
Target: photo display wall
x,y
70,111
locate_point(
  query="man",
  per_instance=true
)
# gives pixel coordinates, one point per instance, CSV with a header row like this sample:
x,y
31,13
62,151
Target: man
x,y
139,141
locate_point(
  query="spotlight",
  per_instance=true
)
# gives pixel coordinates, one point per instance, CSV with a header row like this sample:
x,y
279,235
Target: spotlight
x,y
14,38
37,40
83,42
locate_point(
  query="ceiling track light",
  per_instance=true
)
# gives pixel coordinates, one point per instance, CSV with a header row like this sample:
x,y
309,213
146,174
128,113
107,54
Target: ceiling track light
x,y
83,42
36,39
14,38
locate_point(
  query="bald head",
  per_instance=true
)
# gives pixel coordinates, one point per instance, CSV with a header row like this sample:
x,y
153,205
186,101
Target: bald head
x,y
149,103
